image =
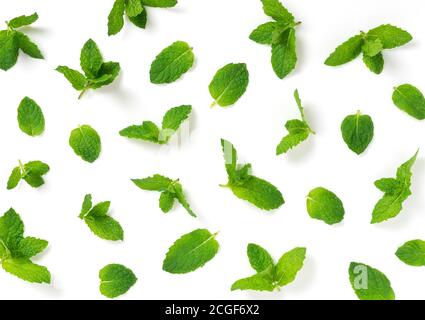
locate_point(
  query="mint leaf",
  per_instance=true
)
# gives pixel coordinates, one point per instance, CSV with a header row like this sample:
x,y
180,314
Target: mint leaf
x,y
133,8
98,220
412,253
271,276
154,183
115,280
170,190
149,131
390,36
410,100
116,17
27,46
171,63
275,10
190,252
32,172
229,84
357,132
86,143
245,186
375,63
391,204
259,258
324,205
284,54
77,80
264,33
288,266
22,21
346,52
16,251
11,41
97,72
91,59
30,117
369,283
298,130
9,49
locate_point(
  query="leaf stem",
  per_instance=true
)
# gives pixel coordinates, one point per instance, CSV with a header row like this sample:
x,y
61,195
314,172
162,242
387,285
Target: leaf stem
x,y
83,91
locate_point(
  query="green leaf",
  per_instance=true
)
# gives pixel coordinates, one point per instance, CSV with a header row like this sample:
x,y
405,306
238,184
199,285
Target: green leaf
x,y
116,17
390,36
346,52
154,183
87,205
147,131
160,3
284,54
190,252
230,157
372,47
375,63
29,247
26,270
288,266
229,84
410,100
14,179
9,49
91,59
171,63
22,21
11,230
34,180
115,280
174,117
166,201
275,10
140,20
357,132
259,192
324,205
133,8
412,253
264,33
391,204
86,143
77,80
27,46
179,194
262,281
105,227
99,210
259,258
30,117
36,167
369,283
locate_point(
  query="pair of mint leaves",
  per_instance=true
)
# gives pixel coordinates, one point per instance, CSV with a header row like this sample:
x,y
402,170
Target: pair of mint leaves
x,y
246,186
324,205
149,131
11,41
280,34
97,73
31,172
270,275
135,10
16,251
171,190
371,44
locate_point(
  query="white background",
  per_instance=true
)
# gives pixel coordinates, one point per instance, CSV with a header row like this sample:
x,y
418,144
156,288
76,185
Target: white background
x,y
218,30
